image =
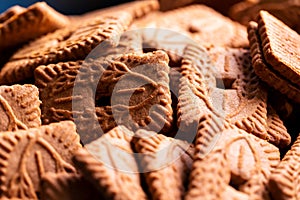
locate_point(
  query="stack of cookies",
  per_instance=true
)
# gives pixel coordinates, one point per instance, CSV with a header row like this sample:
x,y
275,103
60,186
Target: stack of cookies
x,y
132,102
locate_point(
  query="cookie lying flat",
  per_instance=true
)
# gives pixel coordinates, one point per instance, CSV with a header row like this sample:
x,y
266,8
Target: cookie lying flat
x,y
109,164
286,11
284,181
67,186
137,8
223,83
142,92
162,157
19,107
198,22
71,44
16,29
265,71
236,158
26,155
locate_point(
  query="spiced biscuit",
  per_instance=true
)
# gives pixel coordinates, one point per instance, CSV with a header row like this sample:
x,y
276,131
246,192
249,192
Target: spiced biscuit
x,y
176,164
280,46
109,164
277,132
221,82
235,159
19,107
26,155
138,9
75,44
286,11
43,19
67,186
265,71
202,21
284,181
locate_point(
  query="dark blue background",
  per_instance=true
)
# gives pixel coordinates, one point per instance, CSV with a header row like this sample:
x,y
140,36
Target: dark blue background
x,y
64,6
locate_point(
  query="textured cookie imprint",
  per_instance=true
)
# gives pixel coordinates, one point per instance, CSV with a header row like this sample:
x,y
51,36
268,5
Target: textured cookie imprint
x,y
277,132
284,181
27,155
67,186
265,71
15,29
237,158
56,84
202,22
110,165
176,163
230,90
281,46
74,44
19,107
287,11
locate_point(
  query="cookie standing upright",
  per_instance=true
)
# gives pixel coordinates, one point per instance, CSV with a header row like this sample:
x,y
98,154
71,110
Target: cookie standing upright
x,y
19,107
26,155
72,44
274,63
27,24
109,164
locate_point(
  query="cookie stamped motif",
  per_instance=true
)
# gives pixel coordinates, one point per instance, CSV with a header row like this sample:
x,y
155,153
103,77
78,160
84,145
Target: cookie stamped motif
x,y
19,107
31,153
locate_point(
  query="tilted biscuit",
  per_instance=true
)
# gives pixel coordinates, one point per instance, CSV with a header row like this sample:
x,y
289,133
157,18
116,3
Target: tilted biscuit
x,y
109,164
233,158
224,85
280,46
71,44
160,157
284,181
29,24
67,186
26,155
19,107
265,70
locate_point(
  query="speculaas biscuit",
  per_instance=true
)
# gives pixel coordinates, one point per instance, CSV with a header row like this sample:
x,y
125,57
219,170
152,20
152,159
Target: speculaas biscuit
x,y
235,158
265,71
109,164
131,98
224,85
277,132
284,180
75,44
43,19
26,155
137,8
199,22
19,107
287,11
67,186
161,156
280,46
